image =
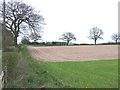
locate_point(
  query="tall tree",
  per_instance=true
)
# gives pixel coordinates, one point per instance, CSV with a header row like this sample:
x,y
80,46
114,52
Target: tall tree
x,y
95,34
68,36
22,18
116,37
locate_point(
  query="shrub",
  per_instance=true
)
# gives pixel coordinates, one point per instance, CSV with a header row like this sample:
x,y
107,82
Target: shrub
x,y
19,47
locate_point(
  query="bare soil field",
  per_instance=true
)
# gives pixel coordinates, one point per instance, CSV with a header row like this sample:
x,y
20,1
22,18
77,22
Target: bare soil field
x,y
74,53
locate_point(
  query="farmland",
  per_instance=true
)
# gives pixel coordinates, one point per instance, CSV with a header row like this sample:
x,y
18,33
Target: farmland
x,y
32,73
74,53
89,74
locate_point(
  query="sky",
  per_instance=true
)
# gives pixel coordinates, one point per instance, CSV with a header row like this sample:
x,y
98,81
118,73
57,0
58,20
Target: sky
x,y
78,17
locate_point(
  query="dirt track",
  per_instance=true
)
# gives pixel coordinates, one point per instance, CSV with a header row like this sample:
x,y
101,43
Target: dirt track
x,y
74,53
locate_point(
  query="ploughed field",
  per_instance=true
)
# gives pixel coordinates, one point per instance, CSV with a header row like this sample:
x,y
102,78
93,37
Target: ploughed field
x,y
74,53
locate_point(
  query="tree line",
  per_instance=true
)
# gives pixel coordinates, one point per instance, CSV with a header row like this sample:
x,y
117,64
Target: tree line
x,y
23,19
94,34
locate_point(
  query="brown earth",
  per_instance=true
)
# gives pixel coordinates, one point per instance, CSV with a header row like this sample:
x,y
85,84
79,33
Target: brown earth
x,y
74,53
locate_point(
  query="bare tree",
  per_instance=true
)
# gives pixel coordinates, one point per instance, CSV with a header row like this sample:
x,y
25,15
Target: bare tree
x,y
35,36
116,37
95,34
21,18
68,36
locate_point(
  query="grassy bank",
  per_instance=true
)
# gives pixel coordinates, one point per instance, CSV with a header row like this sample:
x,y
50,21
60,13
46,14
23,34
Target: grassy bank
x,y
10,60
31,73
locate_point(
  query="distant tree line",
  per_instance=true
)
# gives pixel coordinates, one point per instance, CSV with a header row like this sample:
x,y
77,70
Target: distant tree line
x,y
27,42
21,18
95,34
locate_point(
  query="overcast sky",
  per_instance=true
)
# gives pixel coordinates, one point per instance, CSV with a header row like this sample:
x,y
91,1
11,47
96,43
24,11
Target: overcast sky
x,y
78,17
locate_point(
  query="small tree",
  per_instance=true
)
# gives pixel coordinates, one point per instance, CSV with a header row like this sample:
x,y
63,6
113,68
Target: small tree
x,y
68,36
95,34
25,41
116,37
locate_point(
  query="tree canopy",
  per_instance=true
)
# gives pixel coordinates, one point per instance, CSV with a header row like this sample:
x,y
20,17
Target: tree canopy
x,y
21,18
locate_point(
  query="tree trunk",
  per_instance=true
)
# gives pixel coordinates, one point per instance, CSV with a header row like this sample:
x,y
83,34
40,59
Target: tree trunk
x,y
67,42
116,41
15,41
95,41
35,42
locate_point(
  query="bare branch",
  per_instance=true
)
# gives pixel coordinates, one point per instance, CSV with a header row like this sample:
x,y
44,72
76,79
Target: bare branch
x,y
19,14
68,36
95,34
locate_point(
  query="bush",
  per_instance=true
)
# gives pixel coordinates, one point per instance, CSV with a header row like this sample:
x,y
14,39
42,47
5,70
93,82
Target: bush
x,y
10,60
19,47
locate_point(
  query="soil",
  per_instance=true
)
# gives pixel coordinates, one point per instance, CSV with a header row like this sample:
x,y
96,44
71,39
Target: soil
x,y
74,53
